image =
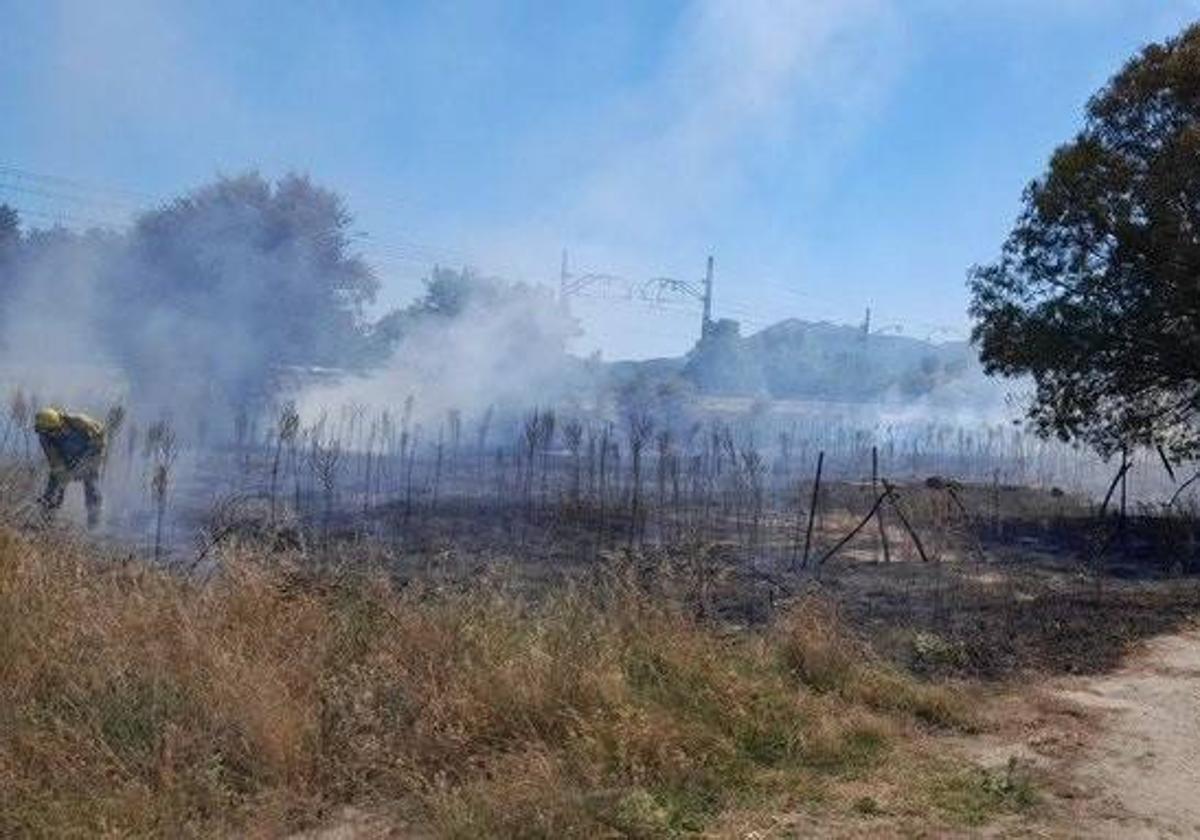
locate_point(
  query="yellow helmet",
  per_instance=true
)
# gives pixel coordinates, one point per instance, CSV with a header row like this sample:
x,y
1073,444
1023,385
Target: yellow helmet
x,y
48,420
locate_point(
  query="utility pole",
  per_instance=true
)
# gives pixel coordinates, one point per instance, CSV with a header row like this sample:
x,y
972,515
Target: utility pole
x,y
706,323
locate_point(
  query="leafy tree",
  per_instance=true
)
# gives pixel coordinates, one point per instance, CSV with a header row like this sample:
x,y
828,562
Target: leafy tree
x,y
449,292
1096,294
236,279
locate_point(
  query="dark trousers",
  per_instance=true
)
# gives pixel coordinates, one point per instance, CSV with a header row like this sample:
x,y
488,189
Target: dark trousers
x,y
56,489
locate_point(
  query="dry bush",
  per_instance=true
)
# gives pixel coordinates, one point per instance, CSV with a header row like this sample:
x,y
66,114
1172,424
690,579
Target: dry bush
x,y
136,702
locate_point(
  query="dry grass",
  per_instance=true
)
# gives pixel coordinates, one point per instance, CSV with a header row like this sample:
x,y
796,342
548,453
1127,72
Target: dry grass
x,y
134,702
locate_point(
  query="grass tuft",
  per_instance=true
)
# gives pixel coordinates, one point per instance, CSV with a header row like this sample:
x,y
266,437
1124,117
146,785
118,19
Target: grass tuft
x,y
975,795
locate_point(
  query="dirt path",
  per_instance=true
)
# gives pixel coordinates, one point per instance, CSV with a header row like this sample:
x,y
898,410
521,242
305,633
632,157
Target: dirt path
x,y
1146,759
1119,753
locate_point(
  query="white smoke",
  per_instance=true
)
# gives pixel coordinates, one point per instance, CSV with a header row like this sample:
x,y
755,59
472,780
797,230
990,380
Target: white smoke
x,y
504,353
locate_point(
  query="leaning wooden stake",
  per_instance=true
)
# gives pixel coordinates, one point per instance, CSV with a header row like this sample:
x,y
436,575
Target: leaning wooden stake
x,y
895,499
874,510
883,538
970,522
812,507
1125,464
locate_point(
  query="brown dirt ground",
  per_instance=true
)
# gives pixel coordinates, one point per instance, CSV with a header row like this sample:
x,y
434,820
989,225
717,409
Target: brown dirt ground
x,y
1118,754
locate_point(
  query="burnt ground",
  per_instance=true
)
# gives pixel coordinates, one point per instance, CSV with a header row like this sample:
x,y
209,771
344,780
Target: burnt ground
x,y
1013,579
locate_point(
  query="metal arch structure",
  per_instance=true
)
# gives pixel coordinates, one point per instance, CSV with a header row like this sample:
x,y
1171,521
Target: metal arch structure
x,y
668,290
596,285
657,291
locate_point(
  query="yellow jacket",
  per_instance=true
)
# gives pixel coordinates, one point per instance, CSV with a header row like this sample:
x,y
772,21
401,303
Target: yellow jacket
x,y
80,443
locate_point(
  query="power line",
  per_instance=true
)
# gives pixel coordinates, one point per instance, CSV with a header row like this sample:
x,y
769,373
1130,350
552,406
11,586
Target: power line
x,y
50,187
409,247
21,174
63,188
57,196
59,217
80,192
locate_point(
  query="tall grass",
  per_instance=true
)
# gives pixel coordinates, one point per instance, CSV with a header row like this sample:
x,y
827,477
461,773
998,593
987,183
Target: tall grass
x,y
137,702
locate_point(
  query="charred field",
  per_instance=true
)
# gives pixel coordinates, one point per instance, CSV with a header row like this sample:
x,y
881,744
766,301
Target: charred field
x,y
676,631
967,532
926,530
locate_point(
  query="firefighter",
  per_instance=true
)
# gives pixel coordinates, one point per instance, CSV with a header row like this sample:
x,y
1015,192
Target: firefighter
x,y
74,447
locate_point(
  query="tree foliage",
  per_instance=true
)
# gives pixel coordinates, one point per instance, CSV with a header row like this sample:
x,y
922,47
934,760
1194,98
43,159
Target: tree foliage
x,y
519,318
1096,294
244,275
202,299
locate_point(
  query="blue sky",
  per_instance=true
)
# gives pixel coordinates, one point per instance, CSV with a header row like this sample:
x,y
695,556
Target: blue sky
x,y
831,154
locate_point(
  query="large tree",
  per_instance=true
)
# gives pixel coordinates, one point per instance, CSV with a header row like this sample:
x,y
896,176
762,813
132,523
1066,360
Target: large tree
x,y
235,280
1096,295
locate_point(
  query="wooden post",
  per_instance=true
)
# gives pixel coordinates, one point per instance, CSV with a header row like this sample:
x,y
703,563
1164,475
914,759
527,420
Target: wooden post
x,y
812,507
883,538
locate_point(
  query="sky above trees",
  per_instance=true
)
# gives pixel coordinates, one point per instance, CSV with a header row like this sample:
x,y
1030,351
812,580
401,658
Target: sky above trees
x,y
831,155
